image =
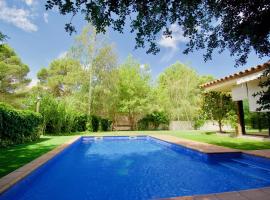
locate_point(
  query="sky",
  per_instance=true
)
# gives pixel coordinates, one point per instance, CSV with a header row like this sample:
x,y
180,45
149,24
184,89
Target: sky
x,y
38,37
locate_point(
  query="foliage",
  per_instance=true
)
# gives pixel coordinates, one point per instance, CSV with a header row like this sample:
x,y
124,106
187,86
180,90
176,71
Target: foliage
x,y
153,120
80,122
218,106
95,123
18,126
199,120
13,75
133,90
264,94
238,26
105,124
178,92
97,58
3,37
58,116
63,77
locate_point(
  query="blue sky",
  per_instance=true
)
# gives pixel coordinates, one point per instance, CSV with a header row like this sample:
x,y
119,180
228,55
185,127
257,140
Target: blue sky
x,y
38,37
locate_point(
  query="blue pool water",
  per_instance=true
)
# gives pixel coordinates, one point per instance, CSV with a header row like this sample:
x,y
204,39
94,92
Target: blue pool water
x,y
142,168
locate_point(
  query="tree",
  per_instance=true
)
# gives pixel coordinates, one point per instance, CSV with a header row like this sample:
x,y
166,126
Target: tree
x,y
264,94
13,74
178,92
105,83
63,77
85,50
2,37
238,26
217,106
133,90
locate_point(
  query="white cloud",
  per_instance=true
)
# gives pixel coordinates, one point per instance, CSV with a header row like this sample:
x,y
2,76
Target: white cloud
x,y
45,17
176,38
29,2
17,16
62,55
171,43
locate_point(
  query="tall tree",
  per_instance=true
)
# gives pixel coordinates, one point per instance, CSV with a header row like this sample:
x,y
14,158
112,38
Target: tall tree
x,y
133,90
13,74
104,83
85,49
217,106
178,90
238,26
63,77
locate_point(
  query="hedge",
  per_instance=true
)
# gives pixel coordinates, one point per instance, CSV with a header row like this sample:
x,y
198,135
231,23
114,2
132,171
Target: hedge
x,y
18,126
105,124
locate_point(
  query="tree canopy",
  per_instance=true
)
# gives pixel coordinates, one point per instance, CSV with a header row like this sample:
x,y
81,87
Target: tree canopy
x,y
239,26
133,90
13,75
217,106
178,91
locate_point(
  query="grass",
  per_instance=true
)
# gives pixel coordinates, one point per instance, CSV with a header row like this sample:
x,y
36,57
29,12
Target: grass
x,y
16,156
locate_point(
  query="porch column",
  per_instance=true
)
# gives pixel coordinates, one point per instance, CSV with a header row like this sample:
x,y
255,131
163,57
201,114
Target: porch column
x,y
240,118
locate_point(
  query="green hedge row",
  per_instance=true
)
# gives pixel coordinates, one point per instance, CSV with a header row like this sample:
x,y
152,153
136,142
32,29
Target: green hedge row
x,y
18,126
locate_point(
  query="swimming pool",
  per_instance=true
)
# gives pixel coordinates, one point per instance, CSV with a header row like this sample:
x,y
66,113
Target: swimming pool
x,y
138,168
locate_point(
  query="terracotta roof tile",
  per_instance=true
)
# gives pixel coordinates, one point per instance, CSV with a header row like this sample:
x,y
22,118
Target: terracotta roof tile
x,y
238,74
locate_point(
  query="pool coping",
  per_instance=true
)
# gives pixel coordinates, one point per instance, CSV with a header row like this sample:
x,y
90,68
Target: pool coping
x,y
252,194
12,178
260,193
198,146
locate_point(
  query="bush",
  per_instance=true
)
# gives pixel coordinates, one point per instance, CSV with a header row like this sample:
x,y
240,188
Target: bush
x,y
95,123
18,126
153,121
60,118
80,122
105,124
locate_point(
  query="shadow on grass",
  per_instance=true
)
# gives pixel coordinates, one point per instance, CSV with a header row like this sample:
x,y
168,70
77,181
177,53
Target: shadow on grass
x,y
14,157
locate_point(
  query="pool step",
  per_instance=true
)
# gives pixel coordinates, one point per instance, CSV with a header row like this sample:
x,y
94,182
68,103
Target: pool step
x,y
249,169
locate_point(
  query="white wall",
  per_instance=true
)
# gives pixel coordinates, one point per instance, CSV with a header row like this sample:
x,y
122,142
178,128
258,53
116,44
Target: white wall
x,y
213,126
187,125
181,125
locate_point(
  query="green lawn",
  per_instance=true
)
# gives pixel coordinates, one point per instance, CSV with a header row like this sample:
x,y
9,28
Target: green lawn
x,y
16,156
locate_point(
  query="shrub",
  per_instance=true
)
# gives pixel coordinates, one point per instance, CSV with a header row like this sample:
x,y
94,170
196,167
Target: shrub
x,y
59,117
18,126
95,123
105,124
153,120
80,122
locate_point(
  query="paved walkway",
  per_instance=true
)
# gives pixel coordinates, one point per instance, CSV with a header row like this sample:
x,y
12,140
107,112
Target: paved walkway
x,y
262,153
257,194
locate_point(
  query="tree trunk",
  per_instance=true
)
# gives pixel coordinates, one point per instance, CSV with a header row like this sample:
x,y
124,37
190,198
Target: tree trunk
x,y
131,121
220,126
